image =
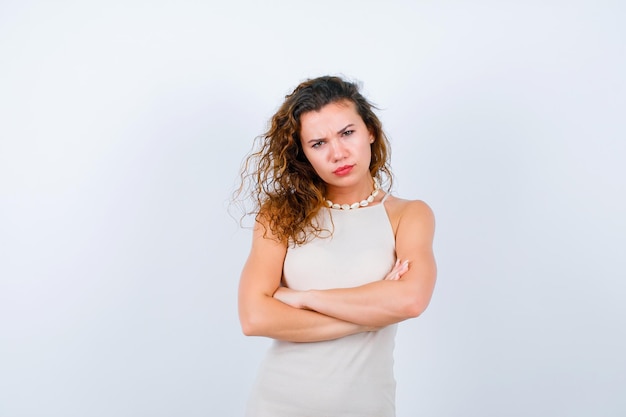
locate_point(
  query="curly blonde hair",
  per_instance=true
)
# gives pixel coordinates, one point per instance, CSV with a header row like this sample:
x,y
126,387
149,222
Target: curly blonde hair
x,y
285,191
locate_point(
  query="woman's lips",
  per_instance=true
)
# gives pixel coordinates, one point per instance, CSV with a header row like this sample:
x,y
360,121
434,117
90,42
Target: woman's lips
x,y
344,170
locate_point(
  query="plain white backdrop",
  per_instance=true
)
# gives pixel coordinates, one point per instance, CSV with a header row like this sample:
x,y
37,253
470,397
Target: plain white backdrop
x,y
122,128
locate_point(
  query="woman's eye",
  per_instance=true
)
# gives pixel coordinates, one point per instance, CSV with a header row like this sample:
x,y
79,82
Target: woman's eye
x,y
317,144
348,132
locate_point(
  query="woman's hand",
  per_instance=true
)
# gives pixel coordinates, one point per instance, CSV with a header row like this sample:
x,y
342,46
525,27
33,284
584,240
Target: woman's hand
x,y
290,297
397,271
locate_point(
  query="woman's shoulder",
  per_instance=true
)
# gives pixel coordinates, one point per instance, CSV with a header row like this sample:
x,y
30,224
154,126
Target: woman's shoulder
x,y
403,205
402,210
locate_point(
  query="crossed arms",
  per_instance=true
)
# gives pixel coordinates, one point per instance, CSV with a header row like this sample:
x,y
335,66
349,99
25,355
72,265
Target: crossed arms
x,y
267,309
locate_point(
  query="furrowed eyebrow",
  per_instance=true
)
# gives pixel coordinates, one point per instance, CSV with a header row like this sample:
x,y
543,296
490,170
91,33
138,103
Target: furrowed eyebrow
x,y
314,140
339,133
345,128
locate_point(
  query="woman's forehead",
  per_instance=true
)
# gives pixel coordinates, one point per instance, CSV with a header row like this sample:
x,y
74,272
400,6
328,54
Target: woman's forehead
x,y
331,116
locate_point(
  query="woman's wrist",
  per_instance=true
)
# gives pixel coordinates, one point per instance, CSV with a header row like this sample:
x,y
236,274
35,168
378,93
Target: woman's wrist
x,y
305,302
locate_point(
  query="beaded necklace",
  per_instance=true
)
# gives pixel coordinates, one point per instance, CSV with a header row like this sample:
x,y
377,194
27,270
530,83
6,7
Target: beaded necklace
x,y
358,204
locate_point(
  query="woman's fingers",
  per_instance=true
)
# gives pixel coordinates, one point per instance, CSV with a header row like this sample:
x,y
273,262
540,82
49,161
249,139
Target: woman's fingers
x,y
398,270
402,268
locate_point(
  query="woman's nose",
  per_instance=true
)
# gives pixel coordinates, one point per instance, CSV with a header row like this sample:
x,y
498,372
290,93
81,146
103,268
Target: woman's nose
x,y
338,151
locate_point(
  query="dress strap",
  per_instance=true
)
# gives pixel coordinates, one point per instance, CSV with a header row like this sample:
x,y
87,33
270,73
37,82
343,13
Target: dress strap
x,y
384,198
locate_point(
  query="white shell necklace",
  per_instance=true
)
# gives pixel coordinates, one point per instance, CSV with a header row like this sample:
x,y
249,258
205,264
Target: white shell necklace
x,y
358,204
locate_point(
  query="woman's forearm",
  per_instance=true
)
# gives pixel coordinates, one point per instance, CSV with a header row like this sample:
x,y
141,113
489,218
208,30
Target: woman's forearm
x,y
377,304
279,321
401,295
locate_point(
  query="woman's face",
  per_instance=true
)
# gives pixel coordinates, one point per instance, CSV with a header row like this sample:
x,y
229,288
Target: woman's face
x,y
337,142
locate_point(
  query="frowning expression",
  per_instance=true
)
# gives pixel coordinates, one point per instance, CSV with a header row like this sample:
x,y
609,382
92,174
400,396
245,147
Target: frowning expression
x,y
337,142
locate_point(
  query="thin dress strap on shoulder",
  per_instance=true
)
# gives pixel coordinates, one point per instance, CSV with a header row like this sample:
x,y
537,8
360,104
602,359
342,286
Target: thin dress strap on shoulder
x,y
384,198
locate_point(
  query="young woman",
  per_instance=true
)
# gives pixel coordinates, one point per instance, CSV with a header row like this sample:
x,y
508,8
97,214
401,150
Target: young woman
x,y
335,260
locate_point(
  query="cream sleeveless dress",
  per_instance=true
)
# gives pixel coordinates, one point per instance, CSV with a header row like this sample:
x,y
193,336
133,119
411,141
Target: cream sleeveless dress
x,y
347,377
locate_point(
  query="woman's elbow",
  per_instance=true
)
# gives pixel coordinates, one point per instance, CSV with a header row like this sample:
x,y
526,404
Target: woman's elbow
x,y
250,323
246,328
417,298
415,306
411,310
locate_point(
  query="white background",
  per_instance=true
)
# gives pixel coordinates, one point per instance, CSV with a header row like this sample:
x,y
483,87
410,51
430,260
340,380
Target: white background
x,y
122,128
